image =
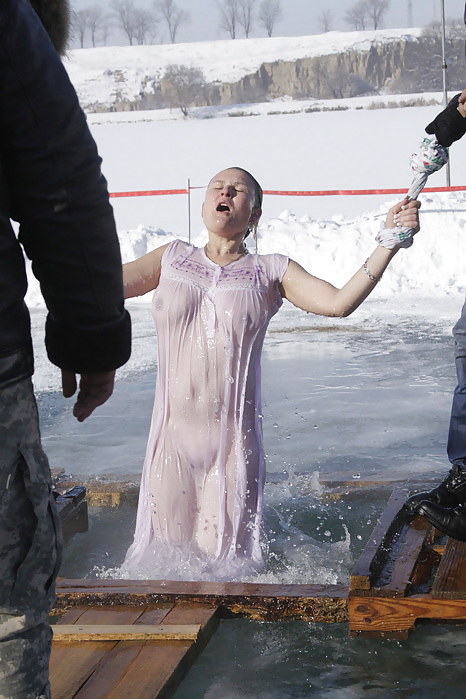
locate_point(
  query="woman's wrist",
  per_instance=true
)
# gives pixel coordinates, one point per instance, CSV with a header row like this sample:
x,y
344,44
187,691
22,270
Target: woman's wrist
x,y
373,278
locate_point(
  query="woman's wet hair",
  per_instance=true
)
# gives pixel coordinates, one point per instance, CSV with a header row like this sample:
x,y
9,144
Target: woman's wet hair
x,y
258,193
258,197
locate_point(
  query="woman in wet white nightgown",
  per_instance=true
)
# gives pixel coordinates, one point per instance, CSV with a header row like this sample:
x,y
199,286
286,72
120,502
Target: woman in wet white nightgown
x,y
203,475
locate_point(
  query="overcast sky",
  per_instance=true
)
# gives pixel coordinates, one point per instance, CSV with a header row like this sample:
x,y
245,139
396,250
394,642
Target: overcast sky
x,y
300,17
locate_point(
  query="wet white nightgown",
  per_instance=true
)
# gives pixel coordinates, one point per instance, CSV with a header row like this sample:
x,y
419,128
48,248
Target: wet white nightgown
x,y
203,473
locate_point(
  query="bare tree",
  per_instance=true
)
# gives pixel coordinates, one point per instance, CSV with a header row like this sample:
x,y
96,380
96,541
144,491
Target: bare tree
x,y
105,30
181,86
145,23
79,24
96,21
376,10
270,12
125,13
357,16
228,16
325,20
173,16
246,14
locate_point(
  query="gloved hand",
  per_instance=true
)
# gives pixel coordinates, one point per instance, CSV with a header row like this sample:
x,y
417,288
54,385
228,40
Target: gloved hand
x,y
449,125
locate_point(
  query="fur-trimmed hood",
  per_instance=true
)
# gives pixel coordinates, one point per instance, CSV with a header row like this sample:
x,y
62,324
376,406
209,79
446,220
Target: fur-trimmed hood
x,y
55,16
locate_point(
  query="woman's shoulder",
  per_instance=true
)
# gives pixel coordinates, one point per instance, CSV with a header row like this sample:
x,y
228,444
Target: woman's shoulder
x,y
177,247
275,263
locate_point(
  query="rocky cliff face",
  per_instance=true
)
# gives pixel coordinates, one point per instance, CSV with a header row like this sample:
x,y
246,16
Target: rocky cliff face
x,y
403,66
411,66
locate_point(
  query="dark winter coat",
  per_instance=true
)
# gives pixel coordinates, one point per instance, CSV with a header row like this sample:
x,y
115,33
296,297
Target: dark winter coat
x,y
52,185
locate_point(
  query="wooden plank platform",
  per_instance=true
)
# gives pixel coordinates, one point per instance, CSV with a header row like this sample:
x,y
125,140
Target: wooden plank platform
x,y
405,574
110,660
116,653
120,638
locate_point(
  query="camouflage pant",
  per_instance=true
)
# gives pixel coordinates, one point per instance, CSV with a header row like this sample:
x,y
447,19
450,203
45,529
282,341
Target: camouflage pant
x,y
30,547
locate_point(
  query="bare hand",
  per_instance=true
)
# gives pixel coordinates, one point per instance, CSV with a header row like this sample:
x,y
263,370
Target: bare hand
x,y
94,390
405,214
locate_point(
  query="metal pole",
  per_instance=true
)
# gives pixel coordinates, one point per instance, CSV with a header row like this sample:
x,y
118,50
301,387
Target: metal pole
x,y
444,74
189,210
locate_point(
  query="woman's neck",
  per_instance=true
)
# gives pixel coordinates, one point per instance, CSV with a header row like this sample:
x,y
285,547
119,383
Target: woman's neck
x,y
218,248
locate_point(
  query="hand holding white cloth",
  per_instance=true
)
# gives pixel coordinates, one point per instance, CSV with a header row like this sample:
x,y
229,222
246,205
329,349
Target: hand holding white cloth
x,y
430,157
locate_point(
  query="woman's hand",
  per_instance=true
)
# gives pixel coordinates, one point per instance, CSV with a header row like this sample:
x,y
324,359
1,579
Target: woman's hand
x,y
405,214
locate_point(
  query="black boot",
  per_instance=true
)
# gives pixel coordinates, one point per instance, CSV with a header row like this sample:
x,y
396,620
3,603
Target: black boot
x,y
450,493
449,520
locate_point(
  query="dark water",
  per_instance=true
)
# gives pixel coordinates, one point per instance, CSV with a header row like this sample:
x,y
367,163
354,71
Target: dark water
x,y
251,660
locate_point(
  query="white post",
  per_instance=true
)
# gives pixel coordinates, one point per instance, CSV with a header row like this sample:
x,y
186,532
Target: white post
x,y
189,210
444,74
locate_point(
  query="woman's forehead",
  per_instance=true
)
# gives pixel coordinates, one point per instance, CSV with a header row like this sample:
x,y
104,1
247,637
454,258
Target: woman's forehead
x,y
232,175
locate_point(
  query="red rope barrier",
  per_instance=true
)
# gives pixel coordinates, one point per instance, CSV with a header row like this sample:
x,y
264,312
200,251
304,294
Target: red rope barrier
x,y
152,193
297,193
353,192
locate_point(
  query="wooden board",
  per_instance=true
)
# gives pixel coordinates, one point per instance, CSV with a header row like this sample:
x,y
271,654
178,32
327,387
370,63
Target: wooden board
x,y
122,632
368,571
133,667
386,615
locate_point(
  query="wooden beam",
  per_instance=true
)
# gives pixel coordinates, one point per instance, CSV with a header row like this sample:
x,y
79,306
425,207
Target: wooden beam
x,y
125,632
402,559
378,547
269,602
382,614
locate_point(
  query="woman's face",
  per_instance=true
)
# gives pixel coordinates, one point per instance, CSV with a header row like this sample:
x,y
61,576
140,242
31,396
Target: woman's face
x,y
228,207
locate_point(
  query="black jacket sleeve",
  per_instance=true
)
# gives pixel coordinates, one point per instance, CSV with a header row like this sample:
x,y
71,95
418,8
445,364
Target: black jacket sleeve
x,y
449,125
59,197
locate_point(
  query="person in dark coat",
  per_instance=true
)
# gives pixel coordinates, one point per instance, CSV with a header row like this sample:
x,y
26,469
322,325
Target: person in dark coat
x,y
445,505
51,185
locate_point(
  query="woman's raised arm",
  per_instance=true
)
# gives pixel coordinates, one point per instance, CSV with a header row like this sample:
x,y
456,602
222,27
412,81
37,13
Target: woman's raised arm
x,y
142,275
318,296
